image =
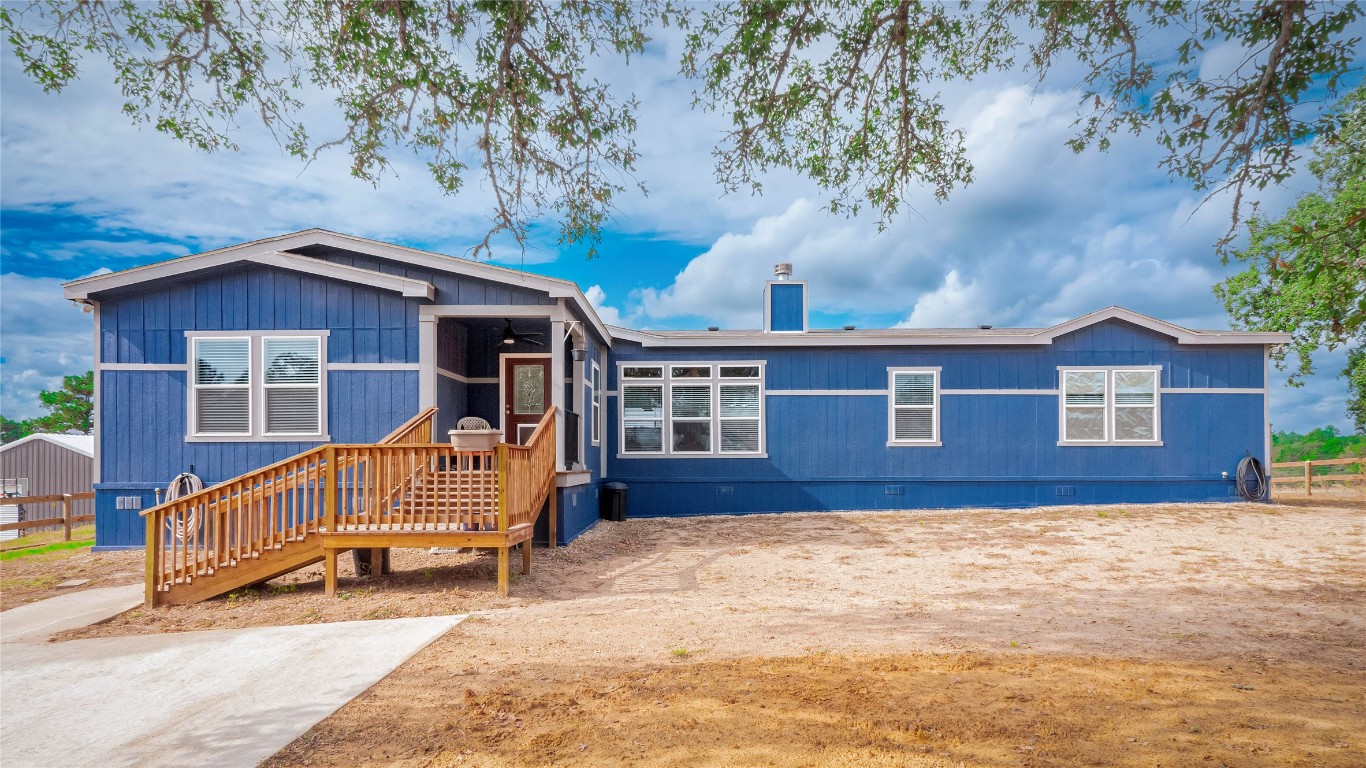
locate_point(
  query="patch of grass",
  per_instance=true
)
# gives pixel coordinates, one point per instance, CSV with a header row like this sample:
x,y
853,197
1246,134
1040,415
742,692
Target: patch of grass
x,y
241,596
1102,514
61,546
282,589
428,574
680,652
37,582
380,613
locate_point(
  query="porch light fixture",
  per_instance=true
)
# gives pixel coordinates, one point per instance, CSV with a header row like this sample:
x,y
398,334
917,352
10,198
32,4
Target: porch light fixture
x,y
509,338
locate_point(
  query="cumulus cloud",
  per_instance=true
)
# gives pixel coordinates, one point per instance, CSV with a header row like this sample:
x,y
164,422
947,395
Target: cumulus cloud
x,y
45,339
598,299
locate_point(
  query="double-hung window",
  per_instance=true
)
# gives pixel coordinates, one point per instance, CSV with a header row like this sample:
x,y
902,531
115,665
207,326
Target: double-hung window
x,y
1110,406
913,417
257,386
693,409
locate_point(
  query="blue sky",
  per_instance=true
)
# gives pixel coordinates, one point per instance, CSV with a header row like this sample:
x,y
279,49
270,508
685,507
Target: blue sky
x,y
1043,235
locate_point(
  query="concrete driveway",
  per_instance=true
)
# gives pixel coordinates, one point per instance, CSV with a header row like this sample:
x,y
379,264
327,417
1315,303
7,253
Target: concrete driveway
x,y
216,698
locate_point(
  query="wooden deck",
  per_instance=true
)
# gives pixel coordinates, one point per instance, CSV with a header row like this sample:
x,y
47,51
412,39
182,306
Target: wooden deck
x,y
404,491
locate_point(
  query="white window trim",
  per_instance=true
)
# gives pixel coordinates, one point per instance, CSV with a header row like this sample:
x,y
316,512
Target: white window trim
x,y
1109,407
594,407
892,442
666,382
256,389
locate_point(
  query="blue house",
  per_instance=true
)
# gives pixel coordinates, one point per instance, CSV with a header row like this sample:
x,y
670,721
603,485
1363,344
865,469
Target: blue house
x,y
224,362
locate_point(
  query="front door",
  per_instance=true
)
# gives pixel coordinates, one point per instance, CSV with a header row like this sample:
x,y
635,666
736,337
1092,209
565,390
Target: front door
x,y
526,396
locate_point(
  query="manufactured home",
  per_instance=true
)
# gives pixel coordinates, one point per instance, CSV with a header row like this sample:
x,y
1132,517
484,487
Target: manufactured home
x,y
223,363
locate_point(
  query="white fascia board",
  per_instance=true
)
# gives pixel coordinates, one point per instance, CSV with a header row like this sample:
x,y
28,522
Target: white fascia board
x,y
81,289
969,337
1182,335
554,288
402,285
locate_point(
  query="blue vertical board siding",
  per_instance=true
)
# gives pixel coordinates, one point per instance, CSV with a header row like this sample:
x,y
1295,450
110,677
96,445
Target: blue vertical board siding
x,y
787,306
149,326
829,451
143,413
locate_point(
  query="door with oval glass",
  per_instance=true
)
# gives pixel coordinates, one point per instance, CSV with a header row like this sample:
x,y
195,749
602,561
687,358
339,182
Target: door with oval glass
x,y
526,395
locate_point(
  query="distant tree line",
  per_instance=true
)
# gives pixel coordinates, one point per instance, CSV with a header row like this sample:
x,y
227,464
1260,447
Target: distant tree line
x,y
1319,444
69,409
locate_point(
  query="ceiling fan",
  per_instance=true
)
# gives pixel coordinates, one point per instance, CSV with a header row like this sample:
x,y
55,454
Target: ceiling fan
x,y
510,337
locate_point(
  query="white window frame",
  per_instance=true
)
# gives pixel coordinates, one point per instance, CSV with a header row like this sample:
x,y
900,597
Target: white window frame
x,y
892,441
594,407
1110,406
666,382
194,387
256,388
266,387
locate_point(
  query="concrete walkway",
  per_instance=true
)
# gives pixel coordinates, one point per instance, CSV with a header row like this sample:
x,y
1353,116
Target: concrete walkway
x,y
217,698
33,623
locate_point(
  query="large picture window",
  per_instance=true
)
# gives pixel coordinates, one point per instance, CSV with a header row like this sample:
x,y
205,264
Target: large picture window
x,y
692,409
914,407
1109,406
256,386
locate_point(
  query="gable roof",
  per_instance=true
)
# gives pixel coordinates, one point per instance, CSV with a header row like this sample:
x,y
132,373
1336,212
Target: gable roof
x,y
82,444
941,336
272,251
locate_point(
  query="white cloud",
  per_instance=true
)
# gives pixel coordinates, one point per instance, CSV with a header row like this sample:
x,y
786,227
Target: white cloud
x,y
45,339
598,299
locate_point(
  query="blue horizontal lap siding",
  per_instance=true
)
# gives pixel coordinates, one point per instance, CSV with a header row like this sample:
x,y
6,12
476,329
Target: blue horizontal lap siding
x,y
143,413
828,451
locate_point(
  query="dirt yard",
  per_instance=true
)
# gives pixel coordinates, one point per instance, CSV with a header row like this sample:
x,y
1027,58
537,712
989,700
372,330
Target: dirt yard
x,y
1126,635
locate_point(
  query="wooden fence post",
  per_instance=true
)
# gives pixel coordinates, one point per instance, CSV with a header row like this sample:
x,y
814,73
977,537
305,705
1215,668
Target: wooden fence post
x,y
1308,469
66,517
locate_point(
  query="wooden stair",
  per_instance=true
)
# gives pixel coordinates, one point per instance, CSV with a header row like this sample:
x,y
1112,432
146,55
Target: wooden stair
x,y
252,569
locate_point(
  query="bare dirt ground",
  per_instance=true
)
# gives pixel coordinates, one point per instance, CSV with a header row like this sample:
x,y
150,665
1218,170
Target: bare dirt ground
x,y
36,576
1140,635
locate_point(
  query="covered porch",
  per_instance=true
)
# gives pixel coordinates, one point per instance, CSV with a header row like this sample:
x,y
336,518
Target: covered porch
x,y
509,365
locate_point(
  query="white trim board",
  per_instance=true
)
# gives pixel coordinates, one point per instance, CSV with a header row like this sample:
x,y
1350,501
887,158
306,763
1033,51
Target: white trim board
x,y
144,366
943,336
442,372
554,288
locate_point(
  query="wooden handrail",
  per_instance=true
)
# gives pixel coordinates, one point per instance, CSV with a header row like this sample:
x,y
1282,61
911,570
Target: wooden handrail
x,y
418,429
404,484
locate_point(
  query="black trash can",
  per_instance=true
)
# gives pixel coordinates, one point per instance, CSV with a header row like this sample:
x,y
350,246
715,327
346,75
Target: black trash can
x,y
612,502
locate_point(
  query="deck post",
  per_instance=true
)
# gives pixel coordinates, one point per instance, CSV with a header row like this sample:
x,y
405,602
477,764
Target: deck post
x,y
526,557
329,571
329,479
503,571
552,500
1308,473
153,549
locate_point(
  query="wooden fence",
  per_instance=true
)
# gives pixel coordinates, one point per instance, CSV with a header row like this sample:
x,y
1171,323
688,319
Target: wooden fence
x,y
64,518
1343,470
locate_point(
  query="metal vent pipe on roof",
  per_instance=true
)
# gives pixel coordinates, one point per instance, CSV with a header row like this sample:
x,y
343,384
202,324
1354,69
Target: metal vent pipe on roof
x,y
783,270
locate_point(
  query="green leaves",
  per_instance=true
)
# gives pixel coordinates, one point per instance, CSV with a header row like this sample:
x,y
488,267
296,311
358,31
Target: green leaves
x,y
69,409
843,93
1306,272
